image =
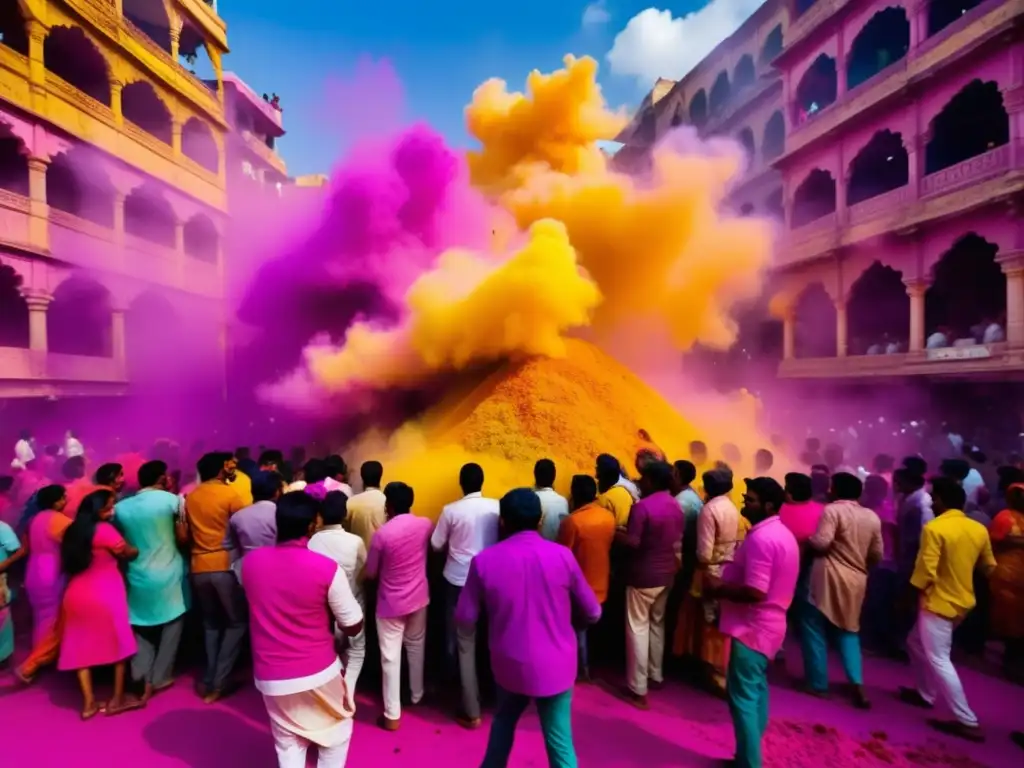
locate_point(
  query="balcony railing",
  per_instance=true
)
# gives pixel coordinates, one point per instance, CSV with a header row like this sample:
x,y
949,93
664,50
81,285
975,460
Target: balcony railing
x,y
265,153
28,365
992,358
968,172
885,203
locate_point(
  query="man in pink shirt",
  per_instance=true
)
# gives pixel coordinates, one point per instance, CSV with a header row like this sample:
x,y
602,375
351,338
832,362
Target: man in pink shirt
x,y
800,512
755,592
398,560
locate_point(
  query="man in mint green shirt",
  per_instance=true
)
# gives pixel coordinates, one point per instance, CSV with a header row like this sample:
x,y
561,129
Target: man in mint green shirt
x,y
157,586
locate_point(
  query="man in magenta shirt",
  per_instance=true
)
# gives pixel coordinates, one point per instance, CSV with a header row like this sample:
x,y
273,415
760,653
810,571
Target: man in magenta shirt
x,y
800,512
755,592
398,560
530,590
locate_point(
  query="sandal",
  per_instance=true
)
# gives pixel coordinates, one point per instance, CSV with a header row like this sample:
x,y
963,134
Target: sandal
x,y
125,706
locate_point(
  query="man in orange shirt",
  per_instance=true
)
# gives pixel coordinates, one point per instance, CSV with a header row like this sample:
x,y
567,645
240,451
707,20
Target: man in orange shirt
x,y
208,510
588,532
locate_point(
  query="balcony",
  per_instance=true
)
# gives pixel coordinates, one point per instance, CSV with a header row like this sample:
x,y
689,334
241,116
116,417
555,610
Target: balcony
x,y
997,360
30,373
959,188
258,147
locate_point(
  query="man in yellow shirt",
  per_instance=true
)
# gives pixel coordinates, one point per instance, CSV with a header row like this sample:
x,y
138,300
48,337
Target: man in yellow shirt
x,y
614,497
952,546
222,604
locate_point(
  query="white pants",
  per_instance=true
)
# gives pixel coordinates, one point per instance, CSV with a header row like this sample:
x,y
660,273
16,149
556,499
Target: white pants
x,y
353,657
929,644
645,636
409,631
291,749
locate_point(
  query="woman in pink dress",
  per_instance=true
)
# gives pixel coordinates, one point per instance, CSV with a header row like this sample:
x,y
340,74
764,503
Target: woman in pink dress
x,y
97,631
44,578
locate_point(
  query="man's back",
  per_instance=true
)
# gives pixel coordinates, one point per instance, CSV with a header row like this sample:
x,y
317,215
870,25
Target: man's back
x,y
554,509
208,509
529,588
255,526
398,558
655,533
588,533
344,548
951,547
467,526
366,514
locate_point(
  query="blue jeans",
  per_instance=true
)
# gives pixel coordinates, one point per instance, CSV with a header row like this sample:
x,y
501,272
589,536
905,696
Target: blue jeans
x,y
815,633
747,688
555,722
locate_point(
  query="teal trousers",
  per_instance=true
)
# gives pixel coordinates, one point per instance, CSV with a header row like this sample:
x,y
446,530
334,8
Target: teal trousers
x,y
555,722
747,687
815,633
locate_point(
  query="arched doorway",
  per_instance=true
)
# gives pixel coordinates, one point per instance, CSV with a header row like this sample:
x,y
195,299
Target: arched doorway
x,y
818,88
148,215
744,76
772,45
814,198
77,184
193,55
972,123
14,330
814,333
13,163
150,18
746,139
78,320
884,40
141,105
774,142
720,92
198,144
878,312
12,27
201,238
881,166
699,108
968,289
679,116
942,13
152,328
74,58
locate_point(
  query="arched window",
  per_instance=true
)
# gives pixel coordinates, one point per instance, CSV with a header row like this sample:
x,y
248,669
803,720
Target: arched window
x,y
719,93
818,88
142,106
772,45
152,326
78,320
699,109
881,166
150,18
13,310
878,312
197,143
968,288
73,57
77,183
973,122
774,142
942,13
884,40
773,205
12,27
815,327
193,55
744,75
647,131
746,138
814,198
679,116
13,163
148,215
201,238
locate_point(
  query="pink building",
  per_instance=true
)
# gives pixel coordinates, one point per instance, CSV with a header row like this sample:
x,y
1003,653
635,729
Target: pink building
x,y
903,177
256,126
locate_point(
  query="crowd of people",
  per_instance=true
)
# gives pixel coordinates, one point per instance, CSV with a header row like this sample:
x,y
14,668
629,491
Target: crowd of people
x,y
685,557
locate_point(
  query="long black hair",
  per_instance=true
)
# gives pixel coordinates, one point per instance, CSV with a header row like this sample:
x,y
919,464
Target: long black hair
x,y
76,548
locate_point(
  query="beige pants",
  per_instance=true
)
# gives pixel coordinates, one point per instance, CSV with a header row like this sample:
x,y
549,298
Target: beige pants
x,y
645,636
410,632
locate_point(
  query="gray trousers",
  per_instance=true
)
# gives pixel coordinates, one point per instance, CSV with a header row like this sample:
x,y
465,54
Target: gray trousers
x,y
460,649
225,615
153,663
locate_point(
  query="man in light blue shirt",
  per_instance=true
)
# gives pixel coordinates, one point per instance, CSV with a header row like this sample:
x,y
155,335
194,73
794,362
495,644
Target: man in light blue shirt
x,y
157,588
554,506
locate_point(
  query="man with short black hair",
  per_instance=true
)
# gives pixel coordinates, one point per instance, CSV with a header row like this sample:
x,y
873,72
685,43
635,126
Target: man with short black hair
x,y
554,505
952,547
366,510
254,526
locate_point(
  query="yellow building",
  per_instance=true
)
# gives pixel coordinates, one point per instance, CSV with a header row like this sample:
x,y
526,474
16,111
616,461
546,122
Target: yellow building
x,y
112,188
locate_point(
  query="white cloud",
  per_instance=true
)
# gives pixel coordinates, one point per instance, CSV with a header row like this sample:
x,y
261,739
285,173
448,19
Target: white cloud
x,y
656,44
596,14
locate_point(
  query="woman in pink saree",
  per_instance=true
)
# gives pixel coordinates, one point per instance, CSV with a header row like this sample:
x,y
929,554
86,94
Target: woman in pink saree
x,y
44,580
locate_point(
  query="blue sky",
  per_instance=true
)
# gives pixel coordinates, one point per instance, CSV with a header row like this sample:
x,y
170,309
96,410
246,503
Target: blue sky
x,y
440,49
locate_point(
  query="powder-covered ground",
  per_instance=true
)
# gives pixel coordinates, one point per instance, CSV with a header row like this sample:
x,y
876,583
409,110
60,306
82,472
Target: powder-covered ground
x,y
41,728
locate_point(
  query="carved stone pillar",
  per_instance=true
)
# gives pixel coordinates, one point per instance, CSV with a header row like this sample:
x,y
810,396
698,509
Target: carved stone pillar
x,y
789,334
36,32
39,228
1012,264
916,290
176,138
116,86
117,344
119,198
915,164
37,302
1013,99
175,41
842,333
179,236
